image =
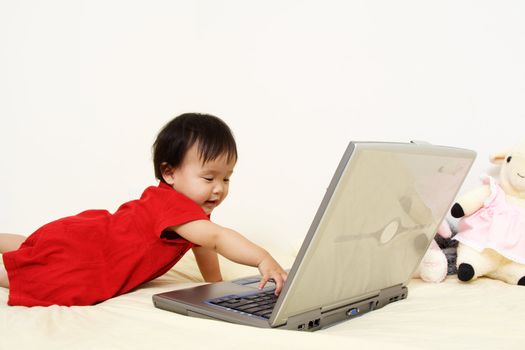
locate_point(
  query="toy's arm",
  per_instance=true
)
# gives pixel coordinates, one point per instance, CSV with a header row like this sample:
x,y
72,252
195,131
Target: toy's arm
x,y
444,229
470,202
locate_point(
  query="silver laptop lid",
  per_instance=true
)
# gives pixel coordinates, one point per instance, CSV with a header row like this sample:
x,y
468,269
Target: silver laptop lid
x,y
374,225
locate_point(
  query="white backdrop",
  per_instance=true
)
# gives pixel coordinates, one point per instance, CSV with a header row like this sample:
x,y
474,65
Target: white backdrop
x,y
86,85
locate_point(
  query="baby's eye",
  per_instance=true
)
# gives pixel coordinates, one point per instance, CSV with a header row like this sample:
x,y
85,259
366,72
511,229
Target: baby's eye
x,y
208,178
226,180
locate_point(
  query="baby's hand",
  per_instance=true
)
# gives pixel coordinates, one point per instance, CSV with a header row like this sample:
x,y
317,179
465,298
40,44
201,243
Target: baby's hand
x,y
269,268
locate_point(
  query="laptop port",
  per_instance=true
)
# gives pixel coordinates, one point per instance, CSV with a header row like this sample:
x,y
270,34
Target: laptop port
x,y
314,323
301,327
352,312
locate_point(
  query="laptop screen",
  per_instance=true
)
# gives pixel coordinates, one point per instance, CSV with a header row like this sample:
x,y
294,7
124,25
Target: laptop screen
x,y
374,225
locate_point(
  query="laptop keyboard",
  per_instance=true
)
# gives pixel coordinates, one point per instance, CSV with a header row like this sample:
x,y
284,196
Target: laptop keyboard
x,y
260,304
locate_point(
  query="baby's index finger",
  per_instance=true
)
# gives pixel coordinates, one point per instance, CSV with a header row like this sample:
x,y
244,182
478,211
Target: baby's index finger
x,y
263,281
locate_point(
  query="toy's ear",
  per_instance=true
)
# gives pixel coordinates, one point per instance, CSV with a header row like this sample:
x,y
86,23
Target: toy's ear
x,y
498,158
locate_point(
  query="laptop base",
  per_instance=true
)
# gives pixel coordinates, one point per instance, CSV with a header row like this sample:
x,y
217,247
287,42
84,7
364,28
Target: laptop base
x,y
307,321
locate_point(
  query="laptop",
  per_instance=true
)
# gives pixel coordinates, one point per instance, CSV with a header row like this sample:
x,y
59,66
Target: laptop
x,y
373,226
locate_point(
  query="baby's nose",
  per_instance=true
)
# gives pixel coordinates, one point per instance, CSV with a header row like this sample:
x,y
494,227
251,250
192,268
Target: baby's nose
x,y
218,188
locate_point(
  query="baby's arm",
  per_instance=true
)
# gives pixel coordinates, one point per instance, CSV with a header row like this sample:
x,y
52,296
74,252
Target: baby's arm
x,y
235,247
208,264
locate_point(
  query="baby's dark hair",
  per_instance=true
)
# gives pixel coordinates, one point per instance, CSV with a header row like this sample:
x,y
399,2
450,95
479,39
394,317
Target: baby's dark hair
x,y
213,136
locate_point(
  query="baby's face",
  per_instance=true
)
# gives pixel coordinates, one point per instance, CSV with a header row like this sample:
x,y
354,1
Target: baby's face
x,y
206,184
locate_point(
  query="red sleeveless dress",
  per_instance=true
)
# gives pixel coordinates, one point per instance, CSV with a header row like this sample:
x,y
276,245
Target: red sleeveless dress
x,y
95,255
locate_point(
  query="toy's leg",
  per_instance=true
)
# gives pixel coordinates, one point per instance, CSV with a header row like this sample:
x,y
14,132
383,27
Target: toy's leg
x,y
433,267
473,264
510,272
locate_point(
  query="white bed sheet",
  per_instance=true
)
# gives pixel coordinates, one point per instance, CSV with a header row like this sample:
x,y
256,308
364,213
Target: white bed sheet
x,y
485,314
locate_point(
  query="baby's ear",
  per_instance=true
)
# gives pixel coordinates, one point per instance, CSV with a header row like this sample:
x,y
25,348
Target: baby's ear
x,y
167,173
498,158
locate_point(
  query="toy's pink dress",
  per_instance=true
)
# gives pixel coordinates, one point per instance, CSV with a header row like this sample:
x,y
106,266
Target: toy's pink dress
x,y
498,225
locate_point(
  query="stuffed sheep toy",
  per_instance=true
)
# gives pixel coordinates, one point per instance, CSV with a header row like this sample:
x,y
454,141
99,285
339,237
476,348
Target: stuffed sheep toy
x,y
491,232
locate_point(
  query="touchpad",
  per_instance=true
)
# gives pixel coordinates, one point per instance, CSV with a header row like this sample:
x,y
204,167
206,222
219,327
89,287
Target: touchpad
x,y
253,282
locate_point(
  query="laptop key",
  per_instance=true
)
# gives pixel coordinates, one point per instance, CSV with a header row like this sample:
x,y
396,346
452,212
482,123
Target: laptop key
x,y
238,304
245,307
262,312
253,310
267,314
233,301
268,307
219,301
